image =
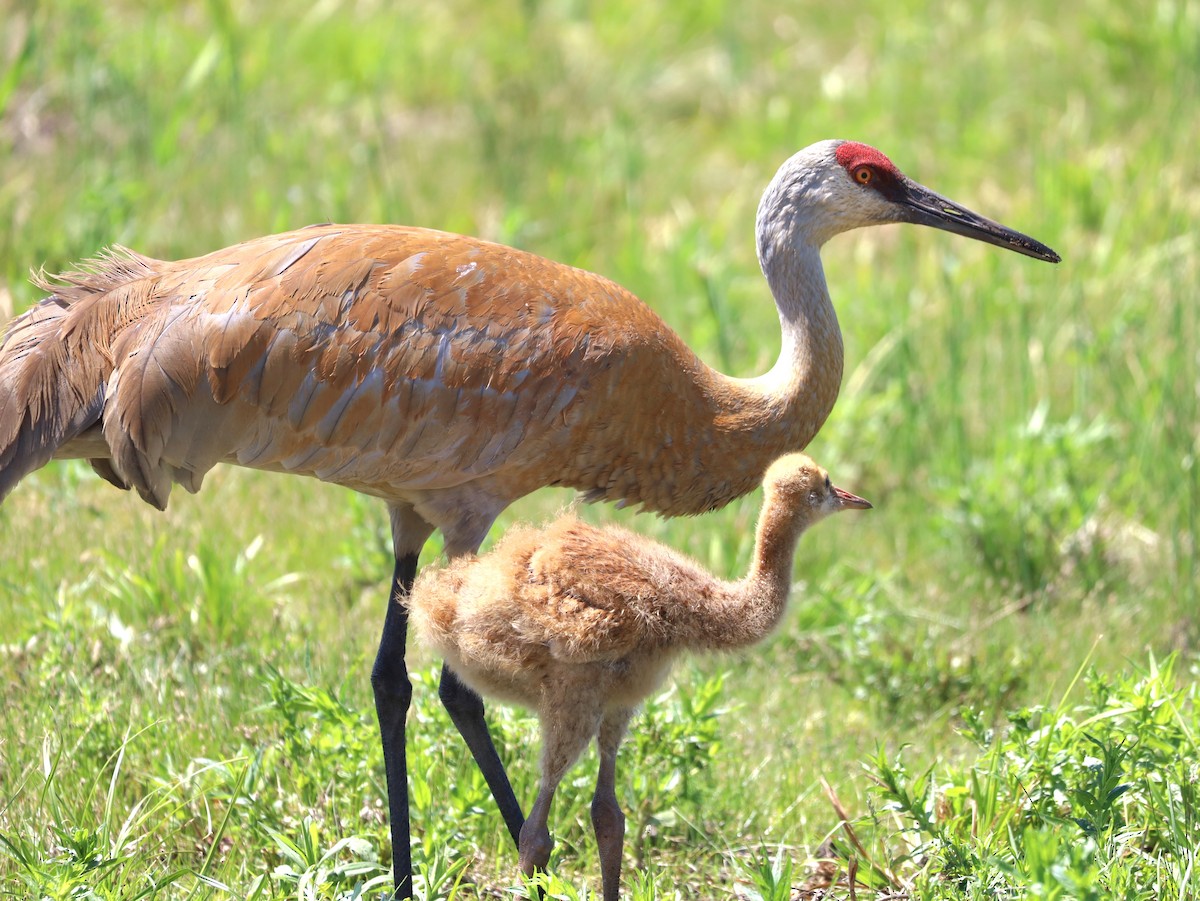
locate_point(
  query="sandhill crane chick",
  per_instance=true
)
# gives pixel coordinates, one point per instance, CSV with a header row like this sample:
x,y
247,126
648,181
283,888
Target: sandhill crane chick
x,y
580,624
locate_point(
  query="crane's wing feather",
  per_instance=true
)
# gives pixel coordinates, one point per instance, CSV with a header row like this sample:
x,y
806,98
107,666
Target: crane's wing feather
x,y
384,358
373,356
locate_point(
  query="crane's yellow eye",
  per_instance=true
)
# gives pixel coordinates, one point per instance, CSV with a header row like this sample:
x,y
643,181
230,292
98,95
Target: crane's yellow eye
x,y
863,175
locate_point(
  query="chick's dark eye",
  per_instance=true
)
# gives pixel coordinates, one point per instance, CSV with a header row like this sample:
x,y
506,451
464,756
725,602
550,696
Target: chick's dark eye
x,y
828,484
863,175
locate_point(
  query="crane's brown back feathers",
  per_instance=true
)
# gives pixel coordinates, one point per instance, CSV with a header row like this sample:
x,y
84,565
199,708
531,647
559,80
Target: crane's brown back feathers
x,y
426,368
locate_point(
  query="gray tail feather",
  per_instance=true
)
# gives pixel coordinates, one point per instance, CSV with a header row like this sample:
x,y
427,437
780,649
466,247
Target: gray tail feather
x,y
54,362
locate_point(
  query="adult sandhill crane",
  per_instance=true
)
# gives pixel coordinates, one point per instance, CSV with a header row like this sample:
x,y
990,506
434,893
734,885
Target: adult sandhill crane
x,y
581,624
444,374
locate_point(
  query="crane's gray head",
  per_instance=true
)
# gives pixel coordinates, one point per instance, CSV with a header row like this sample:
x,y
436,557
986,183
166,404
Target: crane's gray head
x,y
834,186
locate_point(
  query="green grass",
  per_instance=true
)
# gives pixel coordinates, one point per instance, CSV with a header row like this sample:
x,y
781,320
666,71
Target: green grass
x,y
993,671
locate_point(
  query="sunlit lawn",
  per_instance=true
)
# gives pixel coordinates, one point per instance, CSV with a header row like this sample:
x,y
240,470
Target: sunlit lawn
x,y
978,673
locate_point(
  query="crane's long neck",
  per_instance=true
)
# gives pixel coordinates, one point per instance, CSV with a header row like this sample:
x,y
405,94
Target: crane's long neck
x,y
781,411
808,373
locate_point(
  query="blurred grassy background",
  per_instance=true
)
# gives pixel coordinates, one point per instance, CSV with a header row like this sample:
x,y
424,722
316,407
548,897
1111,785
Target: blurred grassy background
x,y
1027,432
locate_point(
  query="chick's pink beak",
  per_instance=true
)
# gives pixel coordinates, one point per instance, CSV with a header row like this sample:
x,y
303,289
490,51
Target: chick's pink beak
x,y
851,501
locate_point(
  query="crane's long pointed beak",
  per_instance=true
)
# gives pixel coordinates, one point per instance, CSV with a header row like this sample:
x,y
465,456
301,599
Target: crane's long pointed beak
x,y
925,207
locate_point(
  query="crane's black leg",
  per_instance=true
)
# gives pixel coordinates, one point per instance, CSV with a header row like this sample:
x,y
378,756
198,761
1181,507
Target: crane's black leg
x,y
393,693
466,712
